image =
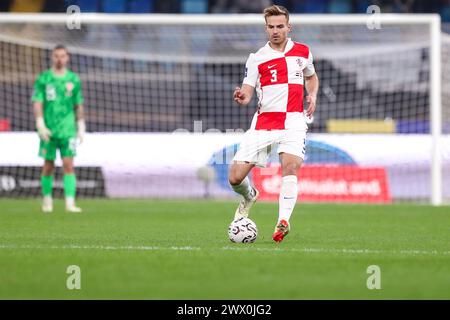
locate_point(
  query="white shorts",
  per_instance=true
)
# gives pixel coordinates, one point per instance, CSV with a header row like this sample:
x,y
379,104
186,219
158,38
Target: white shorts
x,y
257,145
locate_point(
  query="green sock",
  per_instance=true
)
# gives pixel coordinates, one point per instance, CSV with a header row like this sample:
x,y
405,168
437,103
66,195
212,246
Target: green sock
x,y
47,185
70,185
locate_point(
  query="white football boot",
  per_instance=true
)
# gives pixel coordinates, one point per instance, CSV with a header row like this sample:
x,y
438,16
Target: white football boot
x,y
244,207
47,204
71,207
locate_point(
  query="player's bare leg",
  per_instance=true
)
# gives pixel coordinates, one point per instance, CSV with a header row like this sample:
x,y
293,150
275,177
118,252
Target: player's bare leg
x,y
288,194
47,185
237,177
69,182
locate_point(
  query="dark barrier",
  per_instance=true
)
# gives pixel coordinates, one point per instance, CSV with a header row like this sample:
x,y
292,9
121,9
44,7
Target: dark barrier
x,y
24,181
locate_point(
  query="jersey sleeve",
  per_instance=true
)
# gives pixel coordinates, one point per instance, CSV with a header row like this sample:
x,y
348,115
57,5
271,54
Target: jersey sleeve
x,y
78,94
251,71
309,69
38,90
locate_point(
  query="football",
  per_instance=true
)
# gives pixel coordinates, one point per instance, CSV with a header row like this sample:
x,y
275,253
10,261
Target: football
x,y
242,230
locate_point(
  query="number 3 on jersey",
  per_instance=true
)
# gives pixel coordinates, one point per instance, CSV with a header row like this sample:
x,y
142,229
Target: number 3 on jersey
x,y
274,75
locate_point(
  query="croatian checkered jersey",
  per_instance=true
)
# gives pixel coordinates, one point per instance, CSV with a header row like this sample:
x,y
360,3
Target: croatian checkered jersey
x,y
278,79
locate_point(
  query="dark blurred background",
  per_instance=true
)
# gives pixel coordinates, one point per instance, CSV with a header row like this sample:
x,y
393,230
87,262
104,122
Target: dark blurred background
x,y
229,6
139,101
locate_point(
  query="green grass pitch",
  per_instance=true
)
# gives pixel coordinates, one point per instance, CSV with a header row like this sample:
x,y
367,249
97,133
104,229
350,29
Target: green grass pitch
x,y
142,249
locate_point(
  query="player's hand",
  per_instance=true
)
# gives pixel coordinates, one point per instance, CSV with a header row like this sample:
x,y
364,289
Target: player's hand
x,y
43,132
311,100
81,130
239,96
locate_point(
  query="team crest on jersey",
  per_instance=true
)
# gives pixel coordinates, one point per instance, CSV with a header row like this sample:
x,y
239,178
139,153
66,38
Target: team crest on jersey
x,y
50,92
69,88
300,65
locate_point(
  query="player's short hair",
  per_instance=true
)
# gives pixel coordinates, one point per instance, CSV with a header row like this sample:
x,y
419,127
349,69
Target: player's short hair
x,y
60,47
276,10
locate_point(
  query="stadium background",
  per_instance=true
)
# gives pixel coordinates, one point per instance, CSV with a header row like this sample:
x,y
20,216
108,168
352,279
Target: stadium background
x,y
142,80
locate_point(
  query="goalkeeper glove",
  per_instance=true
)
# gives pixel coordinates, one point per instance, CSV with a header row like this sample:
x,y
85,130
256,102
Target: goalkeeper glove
x,y
43,132
81,129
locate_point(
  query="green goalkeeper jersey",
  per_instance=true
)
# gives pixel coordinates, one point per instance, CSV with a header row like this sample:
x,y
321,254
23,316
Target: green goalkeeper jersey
x,y
59,96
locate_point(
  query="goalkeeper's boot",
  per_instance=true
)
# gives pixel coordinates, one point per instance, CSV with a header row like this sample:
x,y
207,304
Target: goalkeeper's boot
x,y
71,207
281,230
47,204
243,209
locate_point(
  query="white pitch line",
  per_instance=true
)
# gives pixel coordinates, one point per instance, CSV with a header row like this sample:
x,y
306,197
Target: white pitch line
x,y
227,248
344,251
95,247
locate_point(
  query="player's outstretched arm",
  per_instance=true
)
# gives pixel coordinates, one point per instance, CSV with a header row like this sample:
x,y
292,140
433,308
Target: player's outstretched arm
x,y
312,87
243,95
43,132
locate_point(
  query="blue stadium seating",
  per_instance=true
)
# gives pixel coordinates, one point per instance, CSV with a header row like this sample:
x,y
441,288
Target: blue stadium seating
x,y
140,6
194,6
362,5
310,6
340,6
284,3
114,6
87,5
445,13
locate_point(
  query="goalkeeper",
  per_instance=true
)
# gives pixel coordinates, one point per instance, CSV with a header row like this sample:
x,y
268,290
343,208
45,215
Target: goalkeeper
x,y
58,109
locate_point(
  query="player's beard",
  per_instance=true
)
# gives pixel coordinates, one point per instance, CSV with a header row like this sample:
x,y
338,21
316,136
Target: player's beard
x,y
59,67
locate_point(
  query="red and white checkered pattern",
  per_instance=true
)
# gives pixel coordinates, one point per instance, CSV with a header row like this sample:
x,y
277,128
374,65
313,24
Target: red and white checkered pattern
x,y
278,79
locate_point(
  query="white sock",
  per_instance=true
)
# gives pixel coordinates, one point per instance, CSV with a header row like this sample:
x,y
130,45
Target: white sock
x,y
70,202
244,189
48,200
288,197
